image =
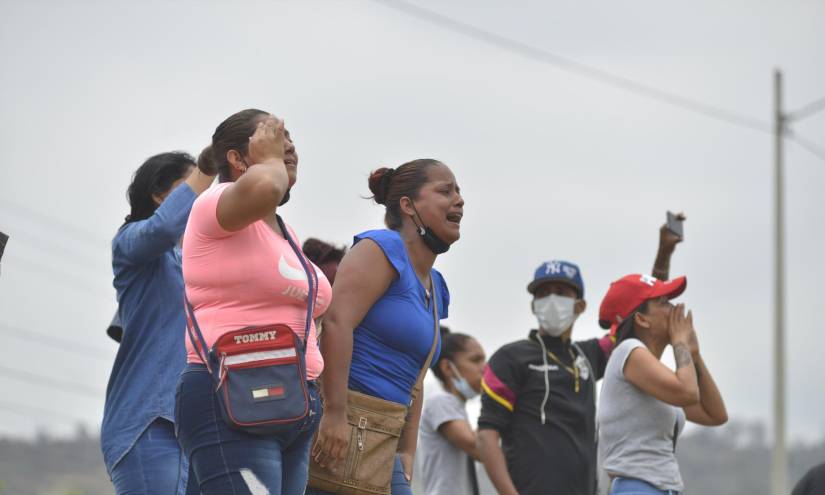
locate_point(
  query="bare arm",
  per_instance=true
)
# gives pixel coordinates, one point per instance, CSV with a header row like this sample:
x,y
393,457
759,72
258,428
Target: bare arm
x,y
364,275
489,443
409,435
667,245
261,188
710,411
459,433
645,371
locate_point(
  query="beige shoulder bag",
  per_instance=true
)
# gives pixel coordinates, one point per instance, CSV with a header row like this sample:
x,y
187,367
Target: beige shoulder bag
x,y
375,429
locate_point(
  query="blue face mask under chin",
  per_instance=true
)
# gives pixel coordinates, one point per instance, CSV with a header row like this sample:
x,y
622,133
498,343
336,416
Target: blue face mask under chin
x,y
461,384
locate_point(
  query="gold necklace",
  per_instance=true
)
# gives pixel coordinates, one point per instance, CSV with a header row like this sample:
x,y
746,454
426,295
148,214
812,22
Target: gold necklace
x,y
574,370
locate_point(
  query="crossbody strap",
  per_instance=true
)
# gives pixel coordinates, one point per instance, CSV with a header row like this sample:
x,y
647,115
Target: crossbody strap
x,y
436,332
312,279
312,296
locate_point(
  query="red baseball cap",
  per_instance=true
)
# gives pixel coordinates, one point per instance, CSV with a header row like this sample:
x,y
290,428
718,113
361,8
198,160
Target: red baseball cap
x,y
629,292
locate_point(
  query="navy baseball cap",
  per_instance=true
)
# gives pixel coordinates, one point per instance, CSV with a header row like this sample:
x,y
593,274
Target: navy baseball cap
x,y
558,271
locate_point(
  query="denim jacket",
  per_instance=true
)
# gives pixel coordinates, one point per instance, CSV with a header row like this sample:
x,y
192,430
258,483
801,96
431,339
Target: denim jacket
x,y
146,262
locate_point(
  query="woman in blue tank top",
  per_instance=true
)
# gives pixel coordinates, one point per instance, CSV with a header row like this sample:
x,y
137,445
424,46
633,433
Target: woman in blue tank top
x,y
379,328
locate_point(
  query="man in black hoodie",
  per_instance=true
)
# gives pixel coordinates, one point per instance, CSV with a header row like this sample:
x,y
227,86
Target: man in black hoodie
x,y
813,483
537,430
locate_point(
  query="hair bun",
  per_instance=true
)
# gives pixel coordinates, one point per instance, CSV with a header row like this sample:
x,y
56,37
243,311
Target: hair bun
x,y
379,184
206,161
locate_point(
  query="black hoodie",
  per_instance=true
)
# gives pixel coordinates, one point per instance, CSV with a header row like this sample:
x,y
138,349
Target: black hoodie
x,y
548,429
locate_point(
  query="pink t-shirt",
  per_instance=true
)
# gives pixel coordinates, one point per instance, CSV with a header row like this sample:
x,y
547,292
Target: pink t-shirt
x,y
246,278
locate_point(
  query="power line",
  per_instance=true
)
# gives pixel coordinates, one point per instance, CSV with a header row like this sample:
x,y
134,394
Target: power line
x,y
71,231
56,342
57,276
807,110
808,145
63,385
27,410
60,249
572,66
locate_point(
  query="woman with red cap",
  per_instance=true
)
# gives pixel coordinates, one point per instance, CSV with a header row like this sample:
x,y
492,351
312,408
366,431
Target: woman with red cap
x,y
643,403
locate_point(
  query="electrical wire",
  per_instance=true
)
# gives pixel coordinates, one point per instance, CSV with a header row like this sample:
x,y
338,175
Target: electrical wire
x,y
807,110
807,144
572,66
47,381
56,342
27,410
71,231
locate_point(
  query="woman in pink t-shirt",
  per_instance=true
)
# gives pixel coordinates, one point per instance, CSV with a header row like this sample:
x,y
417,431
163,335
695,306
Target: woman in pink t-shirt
x,y
239,271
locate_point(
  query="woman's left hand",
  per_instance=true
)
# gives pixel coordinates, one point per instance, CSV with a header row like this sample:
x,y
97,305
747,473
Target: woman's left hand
x,y
407,464
693,340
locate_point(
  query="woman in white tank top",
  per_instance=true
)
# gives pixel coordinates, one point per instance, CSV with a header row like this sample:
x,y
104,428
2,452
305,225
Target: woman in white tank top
x,y
644,404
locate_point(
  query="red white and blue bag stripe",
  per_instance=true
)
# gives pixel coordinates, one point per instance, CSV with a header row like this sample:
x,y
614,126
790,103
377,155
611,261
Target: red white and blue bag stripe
x,y
260,372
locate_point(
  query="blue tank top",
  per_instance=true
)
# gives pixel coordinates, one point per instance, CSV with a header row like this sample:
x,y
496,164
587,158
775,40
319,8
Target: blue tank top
x,y
392,342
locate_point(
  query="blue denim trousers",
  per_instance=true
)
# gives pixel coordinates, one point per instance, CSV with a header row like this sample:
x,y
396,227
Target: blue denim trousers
x,y
154,464
629,486
227,461
400,485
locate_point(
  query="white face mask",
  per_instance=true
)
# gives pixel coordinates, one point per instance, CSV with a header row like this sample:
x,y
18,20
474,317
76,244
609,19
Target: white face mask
x,y
556,314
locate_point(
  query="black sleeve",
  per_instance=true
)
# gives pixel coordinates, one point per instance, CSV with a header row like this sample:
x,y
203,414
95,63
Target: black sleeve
x,y
597,352
501,385
813,483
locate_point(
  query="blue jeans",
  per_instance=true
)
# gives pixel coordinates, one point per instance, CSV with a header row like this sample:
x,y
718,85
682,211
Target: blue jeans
x,y
227,461
400,485
629,486
154,465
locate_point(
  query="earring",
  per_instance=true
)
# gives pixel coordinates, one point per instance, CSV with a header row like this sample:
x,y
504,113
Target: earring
x,y
421,231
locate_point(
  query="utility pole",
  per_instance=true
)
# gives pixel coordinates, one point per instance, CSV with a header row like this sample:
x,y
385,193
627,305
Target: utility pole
x,y
781,129
779,478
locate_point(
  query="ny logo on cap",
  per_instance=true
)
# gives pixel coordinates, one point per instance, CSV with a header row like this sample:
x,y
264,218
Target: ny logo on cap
x,y
569,271
553,267
649,280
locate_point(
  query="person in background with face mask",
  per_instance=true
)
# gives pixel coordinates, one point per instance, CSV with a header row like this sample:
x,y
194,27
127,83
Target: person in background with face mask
x,y
445,434
537,429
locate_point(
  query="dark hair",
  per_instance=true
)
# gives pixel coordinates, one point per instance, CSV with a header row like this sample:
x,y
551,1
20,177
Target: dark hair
x,y
389,185
233,134
451,344
155,177
206,161
320,252
627,328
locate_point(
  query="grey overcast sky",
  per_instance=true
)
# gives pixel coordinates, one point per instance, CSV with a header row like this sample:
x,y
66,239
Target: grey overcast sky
x,y
553,165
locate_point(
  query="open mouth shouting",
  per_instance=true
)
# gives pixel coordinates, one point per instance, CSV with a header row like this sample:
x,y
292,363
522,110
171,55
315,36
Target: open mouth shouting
x,y
455,218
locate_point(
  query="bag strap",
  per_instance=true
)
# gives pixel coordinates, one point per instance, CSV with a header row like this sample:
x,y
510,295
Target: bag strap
x,y
471,468
312,280
192,322
312,296
436,332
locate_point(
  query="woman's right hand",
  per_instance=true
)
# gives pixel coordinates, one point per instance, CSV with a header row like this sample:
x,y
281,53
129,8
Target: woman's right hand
x,y
680,327
332,442
267,142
